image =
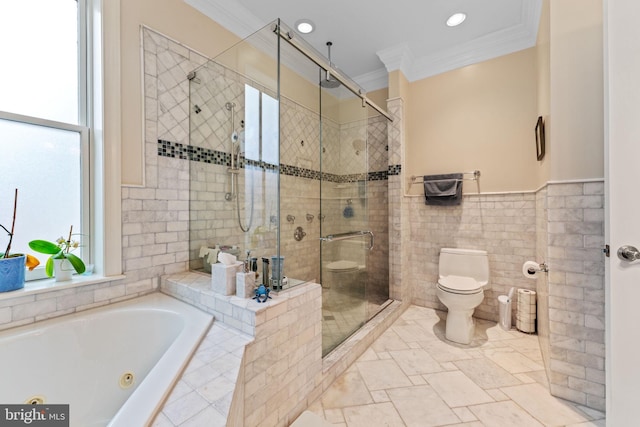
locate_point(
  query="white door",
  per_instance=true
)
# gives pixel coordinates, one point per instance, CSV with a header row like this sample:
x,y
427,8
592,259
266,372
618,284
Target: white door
x,y
622,142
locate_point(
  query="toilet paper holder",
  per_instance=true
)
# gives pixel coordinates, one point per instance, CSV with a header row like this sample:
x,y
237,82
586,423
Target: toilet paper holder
x,y
541,267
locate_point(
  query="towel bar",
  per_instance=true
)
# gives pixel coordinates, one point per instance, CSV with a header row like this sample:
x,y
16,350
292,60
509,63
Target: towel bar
x,y
475,173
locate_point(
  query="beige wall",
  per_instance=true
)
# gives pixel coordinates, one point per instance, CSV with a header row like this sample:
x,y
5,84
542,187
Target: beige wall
x,y
477,117
177,20
576,122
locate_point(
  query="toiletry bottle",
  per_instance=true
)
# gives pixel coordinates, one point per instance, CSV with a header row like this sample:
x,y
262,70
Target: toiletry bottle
x,y
265,272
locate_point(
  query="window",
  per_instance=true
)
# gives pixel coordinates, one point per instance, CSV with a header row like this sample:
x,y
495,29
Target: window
x,y
261,126
44,134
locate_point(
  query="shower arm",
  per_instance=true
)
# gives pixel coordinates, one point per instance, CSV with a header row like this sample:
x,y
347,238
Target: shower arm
x,y
350,235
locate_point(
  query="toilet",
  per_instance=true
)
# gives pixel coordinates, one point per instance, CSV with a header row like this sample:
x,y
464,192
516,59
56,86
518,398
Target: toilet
x,y
342,273
463,275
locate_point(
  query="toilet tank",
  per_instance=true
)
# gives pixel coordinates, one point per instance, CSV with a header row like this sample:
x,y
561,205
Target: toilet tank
x,y
464,262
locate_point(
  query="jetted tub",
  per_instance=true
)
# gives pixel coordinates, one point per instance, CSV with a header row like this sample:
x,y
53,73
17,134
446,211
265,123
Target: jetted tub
x,y
113,365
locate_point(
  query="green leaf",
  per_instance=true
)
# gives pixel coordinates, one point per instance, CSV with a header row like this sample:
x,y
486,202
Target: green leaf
x,y
76,262
48,268
44,247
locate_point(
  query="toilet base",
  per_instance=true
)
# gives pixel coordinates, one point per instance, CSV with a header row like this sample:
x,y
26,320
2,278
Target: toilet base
x,y
460,326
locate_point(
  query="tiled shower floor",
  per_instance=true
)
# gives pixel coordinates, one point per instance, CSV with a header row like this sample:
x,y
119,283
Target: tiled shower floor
x,y
412,376
343,313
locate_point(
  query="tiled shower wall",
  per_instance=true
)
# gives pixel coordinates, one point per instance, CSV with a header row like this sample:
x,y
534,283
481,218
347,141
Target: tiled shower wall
x,y
346,167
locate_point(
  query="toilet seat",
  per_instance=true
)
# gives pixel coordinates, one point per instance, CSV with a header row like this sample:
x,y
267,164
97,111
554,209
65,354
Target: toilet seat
x,y
460,285
342,265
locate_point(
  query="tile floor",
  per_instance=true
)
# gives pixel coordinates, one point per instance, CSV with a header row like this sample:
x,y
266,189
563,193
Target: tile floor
x,y
412,376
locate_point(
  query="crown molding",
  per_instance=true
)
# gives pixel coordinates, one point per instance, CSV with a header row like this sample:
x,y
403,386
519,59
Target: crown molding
x,y
231,15
240,21
503,42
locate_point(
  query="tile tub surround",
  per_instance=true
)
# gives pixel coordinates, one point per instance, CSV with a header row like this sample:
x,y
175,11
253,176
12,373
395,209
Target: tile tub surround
x,y
411,376
283,358
281,368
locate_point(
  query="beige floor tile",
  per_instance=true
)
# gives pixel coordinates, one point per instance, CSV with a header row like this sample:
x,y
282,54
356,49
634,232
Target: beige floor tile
x,y
423,314
465,415
471,424
498,380
503,414
513,361
456,389
420,406
208,417
375,415
540,377
389,340
549,410
497,395
417,380
524,378
382,374
415,362
413,333
486,373
444,351
369,354
380,396
334,416
347,390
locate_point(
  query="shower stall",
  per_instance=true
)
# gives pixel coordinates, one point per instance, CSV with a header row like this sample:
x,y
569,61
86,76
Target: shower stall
x,y
291,172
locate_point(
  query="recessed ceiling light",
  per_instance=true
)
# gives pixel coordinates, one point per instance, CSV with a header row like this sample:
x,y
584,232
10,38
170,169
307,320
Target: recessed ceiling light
x,y
456,19
305,26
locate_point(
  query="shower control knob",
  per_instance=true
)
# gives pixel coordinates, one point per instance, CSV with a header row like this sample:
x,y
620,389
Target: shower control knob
x,y
299,234
628,253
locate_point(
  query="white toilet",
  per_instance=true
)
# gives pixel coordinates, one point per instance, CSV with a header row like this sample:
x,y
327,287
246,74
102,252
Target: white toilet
x,y
462,278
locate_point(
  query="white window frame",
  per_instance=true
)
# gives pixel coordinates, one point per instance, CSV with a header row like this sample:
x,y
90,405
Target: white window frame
x,y
101,82
85,193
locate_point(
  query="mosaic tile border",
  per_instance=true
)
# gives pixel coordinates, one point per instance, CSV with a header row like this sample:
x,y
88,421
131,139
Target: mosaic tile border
x,y
394,170
205,155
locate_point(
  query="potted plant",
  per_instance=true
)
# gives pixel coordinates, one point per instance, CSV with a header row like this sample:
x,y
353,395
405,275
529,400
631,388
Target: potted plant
x,y
61,261
12,266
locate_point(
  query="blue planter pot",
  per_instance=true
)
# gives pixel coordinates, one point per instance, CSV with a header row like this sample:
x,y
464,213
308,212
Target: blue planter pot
x,y
12,273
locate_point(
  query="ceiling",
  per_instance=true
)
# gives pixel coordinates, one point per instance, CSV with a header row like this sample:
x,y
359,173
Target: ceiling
x,y
373,37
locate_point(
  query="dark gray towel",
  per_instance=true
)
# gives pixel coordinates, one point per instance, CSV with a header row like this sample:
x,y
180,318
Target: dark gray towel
x,y
443,190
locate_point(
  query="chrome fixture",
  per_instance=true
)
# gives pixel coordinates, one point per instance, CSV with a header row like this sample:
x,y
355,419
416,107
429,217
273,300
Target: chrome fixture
x,y
321,217
350,235
192,77
299,234
328,82
291,219
628,253
309,217
234,170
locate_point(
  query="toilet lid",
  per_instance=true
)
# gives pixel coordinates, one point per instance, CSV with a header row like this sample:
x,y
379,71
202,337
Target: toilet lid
x,y
342,265
460,285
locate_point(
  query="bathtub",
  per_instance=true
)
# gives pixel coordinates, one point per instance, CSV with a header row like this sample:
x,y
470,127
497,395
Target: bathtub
x,y
113,365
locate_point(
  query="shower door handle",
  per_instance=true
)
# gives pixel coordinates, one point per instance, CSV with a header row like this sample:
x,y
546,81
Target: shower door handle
x,y
350,235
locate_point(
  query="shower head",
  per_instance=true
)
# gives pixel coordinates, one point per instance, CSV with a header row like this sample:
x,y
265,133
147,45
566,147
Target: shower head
x,y
328,82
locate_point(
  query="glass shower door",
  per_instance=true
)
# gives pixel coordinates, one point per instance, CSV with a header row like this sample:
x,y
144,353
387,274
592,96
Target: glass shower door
x,y
346,237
